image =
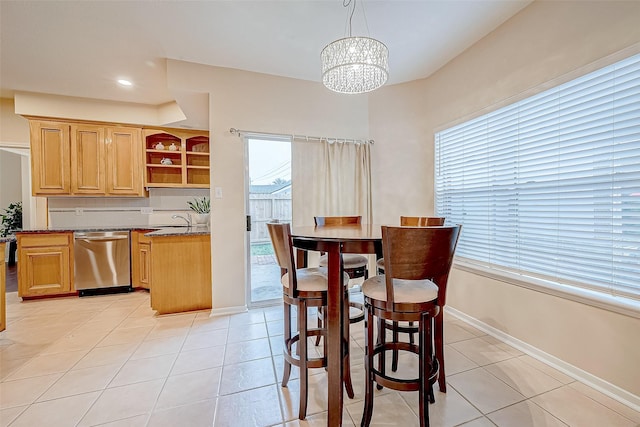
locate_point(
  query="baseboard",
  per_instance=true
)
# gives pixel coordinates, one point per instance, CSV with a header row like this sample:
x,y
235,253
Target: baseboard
x,y
228,310
605,387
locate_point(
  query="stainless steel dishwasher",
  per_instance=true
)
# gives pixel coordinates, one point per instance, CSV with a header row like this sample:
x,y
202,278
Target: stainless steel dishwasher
x,y
102,262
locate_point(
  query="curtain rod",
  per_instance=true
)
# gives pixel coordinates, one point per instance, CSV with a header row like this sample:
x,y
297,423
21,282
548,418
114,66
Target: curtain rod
x,y
240,132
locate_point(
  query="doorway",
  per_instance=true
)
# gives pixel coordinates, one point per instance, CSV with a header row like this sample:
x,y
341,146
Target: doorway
x,y
268,197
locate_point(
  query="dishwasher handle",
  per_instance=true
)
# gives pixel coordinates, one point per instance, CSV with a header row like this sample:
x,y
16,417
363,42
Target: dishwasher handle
x,y
100,238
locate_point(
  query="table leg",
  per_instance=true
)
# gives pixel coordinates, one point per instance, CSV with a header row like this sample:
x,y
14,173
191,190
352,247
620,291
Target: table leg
x,y
301,258
334,335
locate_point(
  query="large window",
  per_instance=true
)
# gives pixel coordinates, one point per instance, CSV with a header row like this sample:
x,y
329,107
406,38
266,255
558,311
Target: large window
x,y
549,187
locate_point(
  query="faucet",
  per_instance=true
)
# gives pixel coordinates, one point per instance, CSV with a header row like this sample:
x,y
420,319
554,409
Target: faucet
x,y
187,218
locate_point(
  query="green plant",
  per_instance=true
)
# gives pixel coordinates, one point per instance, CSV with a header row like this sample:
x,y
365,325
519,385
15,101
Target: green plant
x,y
11,219
200,205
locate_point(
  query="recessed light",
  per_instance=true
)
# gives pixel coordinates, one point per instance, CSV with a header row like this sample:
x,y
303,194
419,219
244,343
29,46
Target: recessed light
x,y
124,82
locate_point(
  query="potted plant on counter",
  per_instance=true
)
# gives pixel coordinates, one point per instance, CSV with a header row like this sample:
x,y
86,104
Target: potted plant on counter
x,y
202,208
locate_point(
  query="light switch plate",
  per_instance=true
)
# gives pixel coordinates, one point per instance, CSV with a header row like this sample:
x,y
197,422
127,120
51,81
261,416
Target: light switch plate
x,y
146,211
218,192
79,211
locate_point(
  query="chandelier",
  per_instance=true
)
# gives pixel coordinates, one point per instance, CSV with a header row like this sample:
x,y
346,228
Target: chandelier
x,y
354,64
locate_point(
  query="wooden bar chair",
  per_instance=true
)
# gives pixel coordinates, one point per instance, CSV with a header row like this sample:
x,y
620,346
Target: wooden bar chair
x,y
353,264
413,221
302,288
417,265
410,328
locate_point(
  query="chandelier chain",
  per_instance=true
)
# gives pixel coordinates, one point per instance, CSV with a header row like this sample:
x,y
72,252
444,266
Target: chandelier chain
x,y
364,14
349,23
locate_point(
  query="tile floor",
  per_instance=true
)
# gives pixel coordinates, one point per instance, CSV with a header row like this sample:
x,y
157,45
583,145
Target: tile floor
x,y
109,361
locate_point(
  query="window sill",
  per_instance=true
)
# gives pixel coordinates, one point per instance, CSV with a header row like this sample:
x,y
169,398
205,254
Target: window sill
x,y
617,304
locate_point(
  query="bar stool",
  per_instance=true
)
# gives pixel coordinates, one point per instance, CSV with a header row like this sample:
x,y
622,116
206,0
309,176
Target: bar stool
x,y
417,265
413,221
410,328
353,264
302,288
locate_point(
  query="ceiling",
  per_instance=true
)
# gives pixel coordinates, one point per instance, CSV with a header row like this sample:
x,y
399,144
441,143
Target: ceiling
x,y
80,48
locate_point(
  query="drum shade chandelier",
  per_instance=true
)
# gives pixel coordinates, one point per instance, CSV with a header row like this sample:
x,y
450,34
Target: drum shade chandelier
x,y
354,64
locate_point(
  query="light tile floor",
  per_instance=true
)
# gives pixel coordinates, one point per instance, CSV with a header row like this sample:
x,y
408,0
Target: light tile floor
x,y
109,361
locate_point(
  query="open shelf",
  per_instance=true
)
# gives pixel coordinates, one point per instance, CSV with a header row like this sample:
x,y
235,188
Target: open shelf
x,y
160,174
156,158
189,165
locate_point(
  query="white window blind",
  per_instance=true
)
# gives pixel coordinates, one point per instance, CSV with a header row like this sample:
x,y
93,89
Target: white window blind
x,y
549,187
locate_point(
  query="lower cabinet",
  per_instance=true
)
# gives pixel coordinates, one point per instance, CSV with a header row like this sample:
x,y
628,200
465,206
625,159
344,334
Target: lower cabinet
x,y
181,273
45,265
140,259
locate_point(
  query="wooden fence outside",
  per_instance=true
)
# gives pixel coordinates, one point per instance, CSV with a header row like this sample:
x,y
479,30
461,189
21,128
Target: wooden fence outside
x,y
265,207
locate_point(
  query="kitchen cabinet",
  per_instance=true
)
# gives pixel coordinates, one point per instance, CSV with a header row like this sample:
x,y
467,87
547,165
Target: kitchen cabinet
x,y
86,159
180,272
176,158
45,264
106,160
50,166
140,259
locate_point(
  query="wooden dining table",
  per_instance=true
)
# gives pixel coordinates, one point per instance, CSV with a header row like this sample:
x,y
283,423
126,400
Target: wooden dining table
x,y
336,240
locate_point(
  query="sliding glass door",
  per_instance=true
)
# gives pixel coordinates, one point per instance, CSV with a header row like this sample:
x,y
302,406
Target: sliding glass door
x,y
268,198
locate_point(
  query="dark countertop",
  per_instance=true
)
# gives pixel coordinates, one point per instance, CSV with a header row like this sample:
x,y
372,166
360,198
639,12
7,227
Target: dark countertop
x,y
179,231
158,230
88,229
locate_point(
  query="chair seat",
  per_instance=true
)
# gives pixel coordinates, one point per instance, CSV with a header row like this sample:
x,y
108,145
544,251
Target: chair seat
x,y
310,279
405,291
380,264
349,261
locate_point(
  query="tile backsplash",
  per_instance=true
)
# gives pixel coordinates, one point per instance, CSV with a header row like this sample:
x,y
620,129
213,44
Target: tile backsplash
x,y
157,209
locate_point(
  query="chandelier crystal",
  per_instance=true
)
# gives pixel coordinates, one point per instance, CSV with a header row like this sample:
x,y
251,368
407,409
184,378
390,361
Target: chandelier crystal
x,y
355,65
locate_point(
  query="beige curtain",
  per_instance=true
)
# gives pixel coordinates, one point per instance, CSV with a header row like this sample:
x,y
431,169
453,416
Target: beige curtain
x,y
331,178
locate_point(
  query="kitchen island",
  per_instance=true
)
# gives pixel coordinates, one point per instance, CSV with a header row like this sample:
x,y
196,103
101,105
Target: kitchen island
x,y
180,269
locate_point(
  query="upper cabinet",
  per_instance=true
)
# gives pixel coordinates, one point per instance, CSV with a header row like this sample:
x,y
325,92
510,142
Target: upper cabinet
x,y
106,160
50,167
124,161
176,158
85,159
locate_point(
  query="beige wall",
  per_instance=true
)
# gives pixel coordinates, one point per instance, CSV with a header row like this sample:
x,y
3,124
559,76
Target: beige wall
x,y
543,42
261,103
14,130
402,157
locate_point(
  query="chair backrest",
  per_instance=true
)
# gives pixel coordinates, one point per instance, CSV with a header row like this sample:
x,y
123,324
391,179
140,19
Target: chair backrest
x,y
280,234
421,221
337,220
415,253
